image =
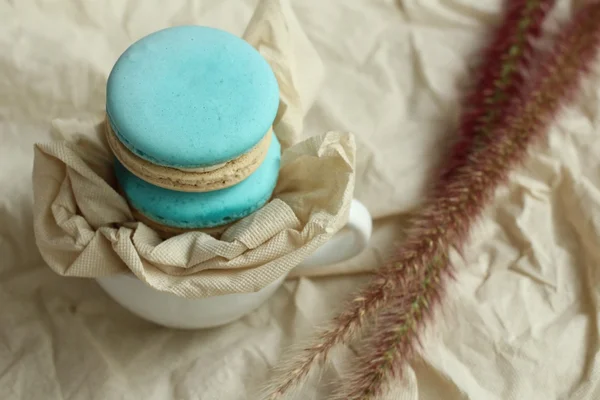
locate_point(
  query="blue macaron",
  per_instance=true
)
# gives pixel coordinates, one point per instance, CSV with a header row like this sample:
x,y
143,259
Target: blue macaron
x,y
190,97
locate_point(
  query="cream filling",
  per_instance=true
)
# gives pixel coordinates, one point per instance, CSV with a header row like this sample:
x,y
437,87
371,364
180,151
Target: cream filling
x,y
202,169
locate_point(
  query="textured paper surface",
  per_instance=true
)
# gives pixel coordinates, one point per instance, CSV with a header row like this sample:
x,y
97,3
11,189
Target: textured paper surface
x,y
523,320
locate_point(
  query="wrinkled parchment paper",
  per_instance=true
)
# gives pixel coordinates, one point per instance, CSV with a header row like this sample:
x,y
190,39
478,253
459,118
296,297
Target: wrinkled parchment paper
x,y
84,227
522,322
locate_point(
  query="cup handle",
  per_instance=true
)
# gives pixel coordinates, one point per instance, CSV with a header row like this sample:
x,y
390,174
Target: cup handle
x,y
352,239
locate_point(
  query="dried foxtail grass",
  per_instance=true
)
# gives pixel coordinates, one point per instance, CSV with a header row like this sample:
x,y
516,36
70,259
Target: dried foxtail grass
x,y
467,189
505,116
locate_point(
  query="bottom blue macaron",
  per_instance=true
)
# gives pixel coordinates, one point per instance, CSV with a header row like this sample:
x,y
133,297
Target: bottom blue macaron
x,y
206,209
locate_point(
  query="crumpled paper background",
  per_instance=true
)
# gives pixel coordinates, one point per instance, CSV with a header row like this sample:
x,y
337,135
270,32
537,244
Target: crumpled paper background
x,y
522,320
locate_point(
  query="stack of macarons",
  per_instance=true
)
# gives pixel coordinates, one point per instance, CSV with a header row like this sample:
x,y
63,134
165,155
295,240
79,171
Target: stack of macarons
x,y
190,111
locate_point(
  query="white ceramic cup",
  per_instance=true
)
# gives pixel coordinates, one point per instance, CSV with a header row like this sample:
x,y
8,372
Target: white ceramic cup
x,y
177,312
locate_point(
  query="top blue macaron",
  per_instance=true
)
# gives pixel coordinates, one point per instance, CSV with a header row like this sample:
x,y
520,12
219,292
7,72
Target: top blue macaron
x,y
191,96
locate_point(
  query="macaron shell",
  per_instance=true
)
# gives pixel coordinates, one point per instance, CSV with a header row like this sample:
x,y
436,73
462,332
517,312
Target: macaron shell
x,y
191,96
207,209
